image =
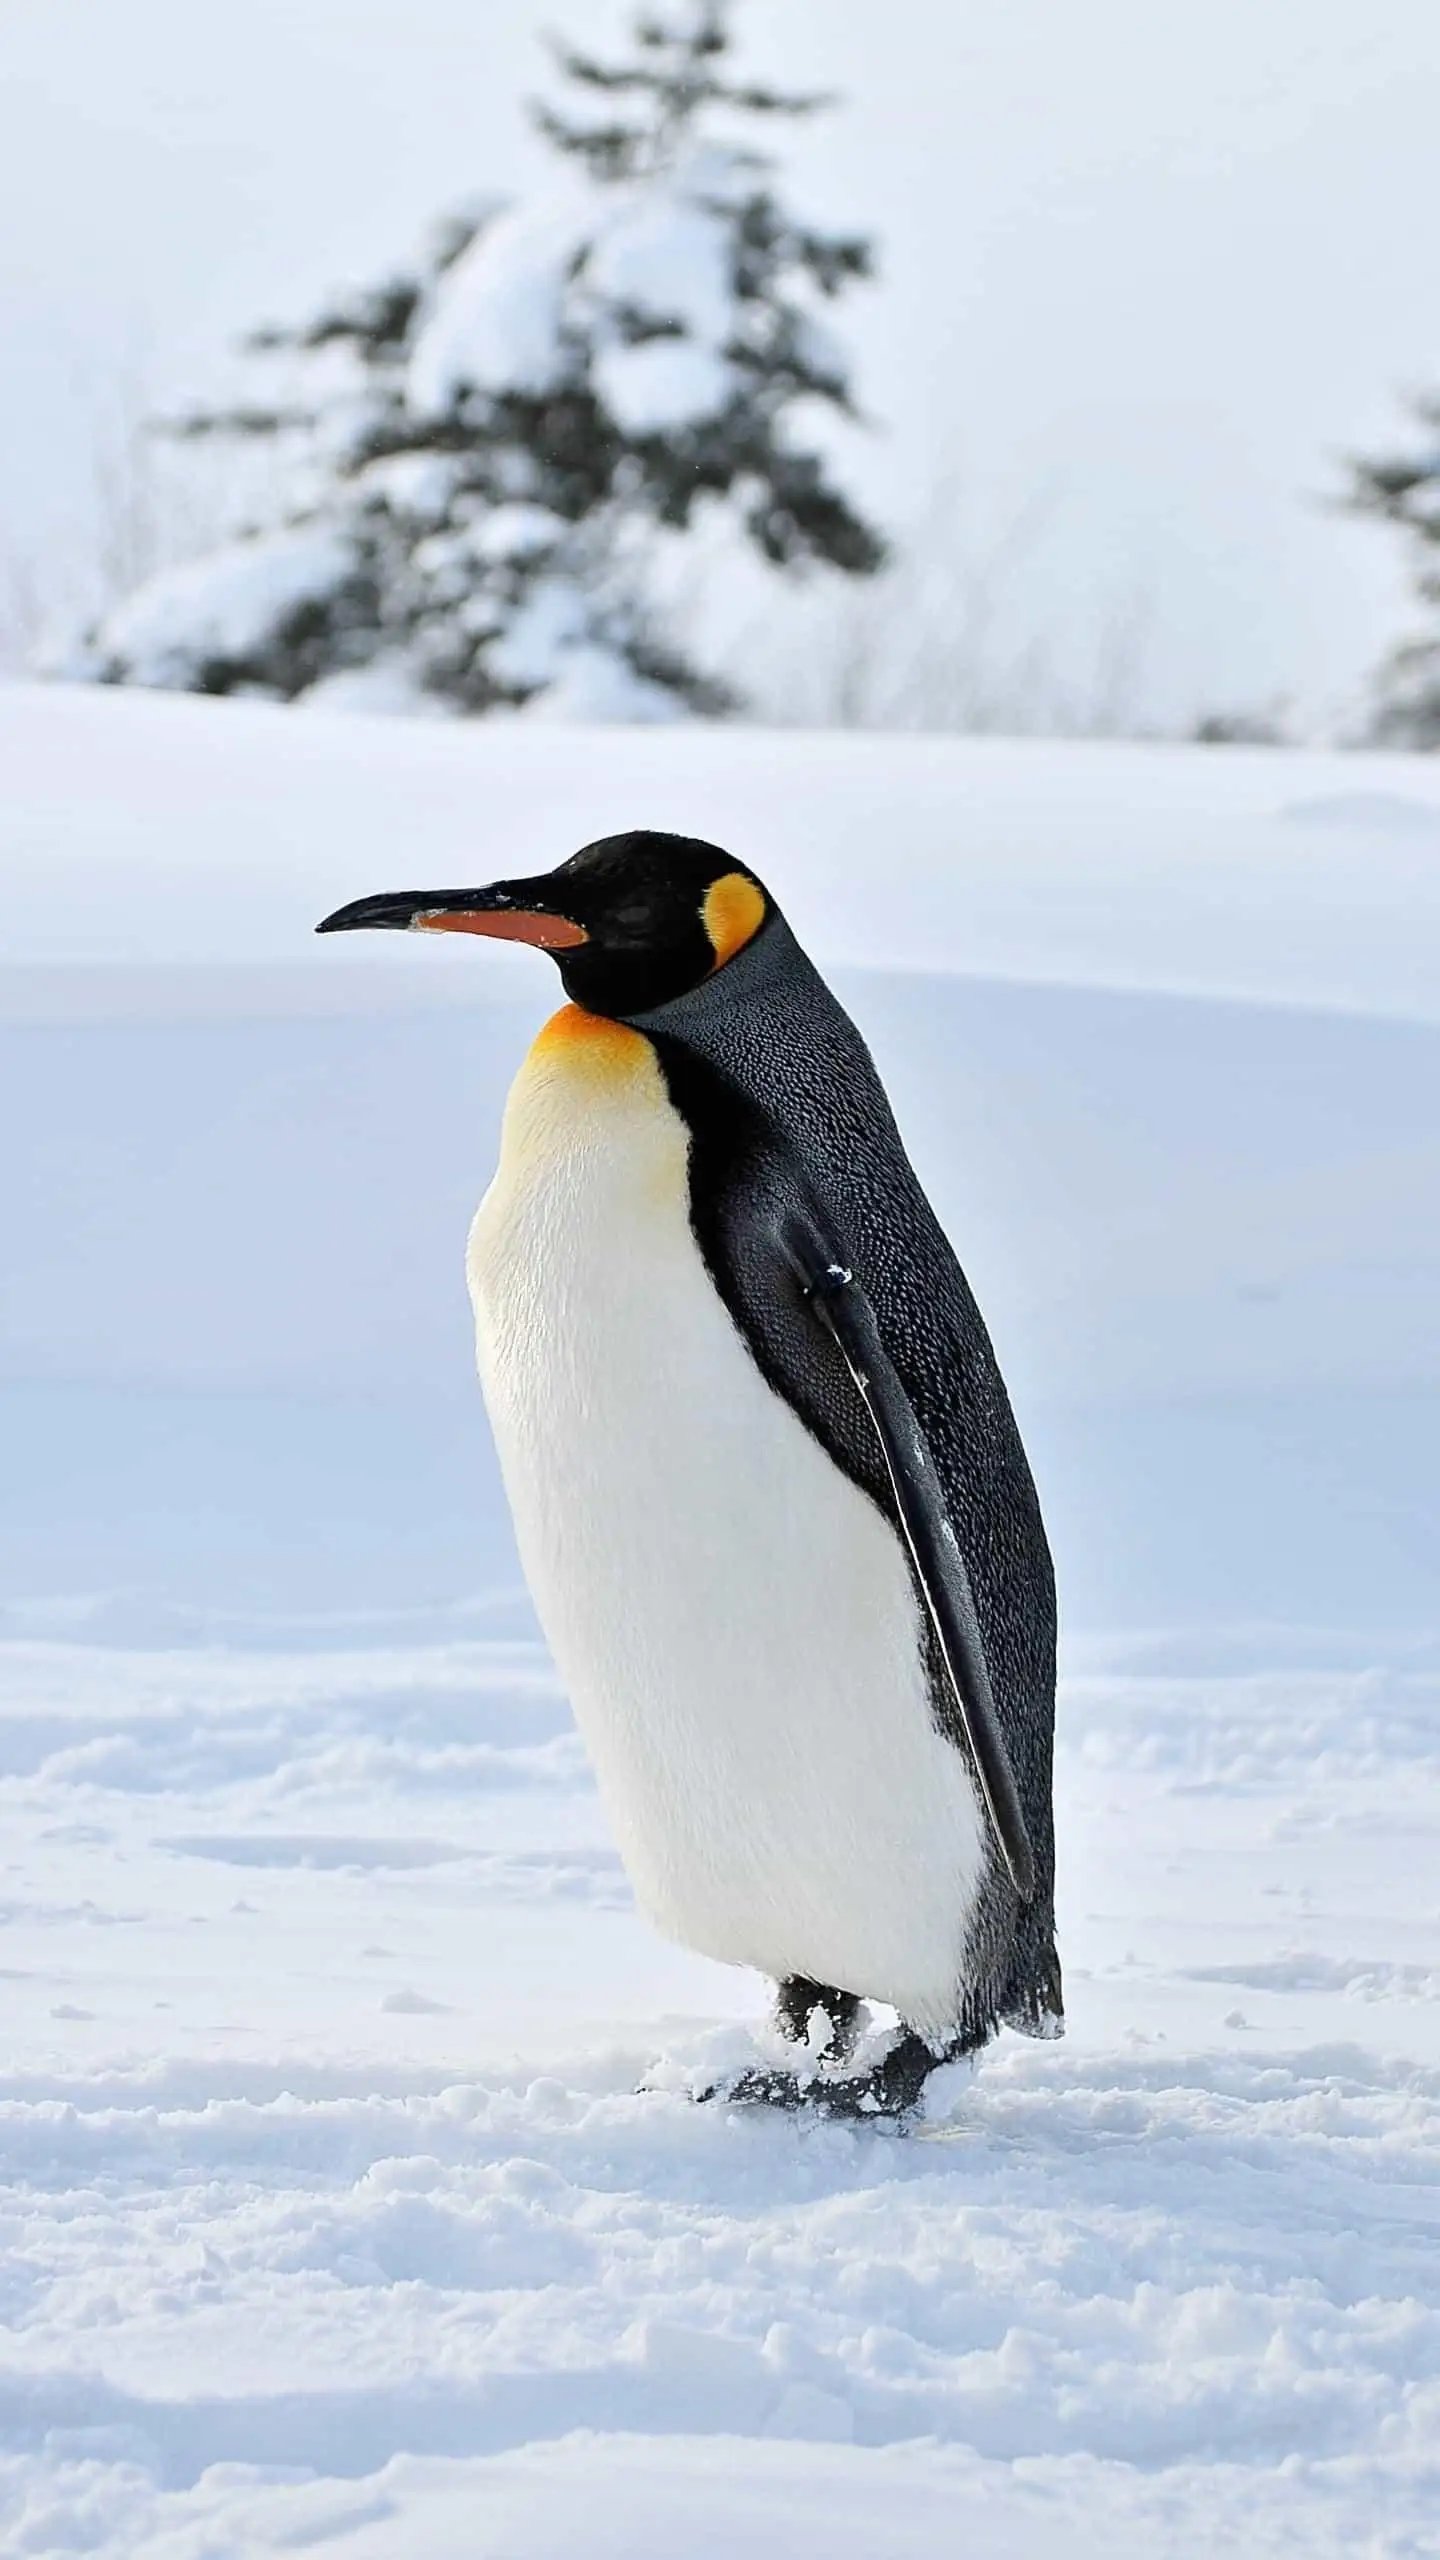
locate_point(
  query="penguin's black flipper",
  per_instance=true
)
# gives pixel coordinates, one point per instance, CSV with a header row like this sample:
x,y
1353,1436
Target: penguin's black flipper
x,y
844,1309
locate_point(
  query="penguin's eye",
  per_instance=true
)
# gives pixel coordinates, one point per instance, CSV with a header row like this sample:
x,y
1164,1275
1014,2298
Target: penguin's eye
x,y
636,918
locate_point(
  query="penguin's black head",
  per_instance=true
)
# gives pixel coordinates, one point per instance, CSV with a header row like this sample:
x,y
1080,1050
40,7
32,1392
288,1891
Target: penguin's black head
x,y
632,920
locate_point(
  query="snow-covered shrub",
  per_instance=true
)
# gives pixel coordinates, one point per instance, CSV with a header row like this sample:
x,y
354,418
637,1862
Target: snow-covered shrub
x,y
1404,490
484,447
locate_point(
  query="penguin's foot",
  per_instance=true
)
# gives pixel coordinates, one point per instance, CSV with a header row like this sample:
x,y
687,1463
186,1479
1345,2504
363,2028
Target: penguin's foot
x,y
826,2021
889,2091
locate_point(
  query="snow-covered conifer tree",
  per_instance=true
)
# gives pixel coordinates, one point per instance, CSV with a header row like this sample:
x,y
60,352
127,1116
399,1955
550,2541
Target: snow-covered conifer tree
x,y
1404,490
485,448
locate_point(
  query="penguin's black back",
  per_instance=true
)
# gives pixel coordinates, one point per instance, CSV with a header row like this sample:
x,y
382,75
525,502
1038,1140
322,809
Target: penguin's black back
x,y
781,1098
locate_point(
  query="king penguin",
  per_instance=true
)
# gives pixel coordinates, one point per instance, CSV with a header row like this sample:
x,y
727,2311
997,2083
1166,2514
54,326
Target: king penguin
x,y
767,1487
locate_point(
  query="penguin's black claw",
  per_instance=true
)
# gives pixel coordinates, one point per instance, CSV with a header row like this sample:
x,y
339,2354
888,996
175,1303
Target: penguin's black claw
x,y
893,2089
798,2000
757,2089
885,2095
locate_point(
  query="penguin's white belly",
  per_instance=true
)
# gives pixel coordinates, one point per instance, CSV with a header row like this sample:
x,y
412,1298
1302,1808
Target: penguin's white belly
x,y
734,1620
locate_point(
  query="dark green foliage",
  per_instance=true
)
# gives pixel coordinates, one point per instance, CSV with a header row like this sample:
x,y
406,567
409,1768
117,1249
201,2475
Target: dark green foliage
x,y
1403,490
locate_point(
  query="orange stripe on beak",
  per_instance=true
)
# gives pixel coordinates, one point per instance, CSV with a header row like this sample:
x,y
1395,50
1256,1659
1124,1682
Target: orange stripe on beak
x,y
547,933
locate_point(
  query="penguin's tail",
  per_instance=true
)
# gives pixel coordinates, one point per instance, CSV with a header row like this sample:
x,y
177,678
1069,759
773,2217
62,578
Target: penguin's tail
x,y
1034,1998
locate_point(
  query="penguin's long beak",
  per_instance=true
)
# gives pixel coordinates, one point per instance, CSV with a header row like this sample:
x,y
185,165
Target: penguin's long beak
x,y
508,912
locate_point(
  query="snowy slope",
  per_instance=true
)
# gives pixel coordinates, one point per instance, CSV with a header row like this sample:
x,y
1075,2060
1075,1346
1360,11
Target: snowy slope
x,y
190,832
1203,1230
332,2214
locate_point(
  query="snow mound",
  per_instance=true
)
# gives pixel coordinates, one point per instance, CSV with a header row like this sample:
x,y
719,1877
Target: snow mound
x,y
414,484
663,384
388,688
497,320
663,252
516,532
590,683
642,277
224,607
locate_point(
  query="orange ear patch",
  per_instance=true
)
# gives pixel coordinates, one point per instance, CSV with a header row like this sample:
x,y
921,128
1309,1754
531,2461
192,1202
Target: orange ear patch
x,y
733,912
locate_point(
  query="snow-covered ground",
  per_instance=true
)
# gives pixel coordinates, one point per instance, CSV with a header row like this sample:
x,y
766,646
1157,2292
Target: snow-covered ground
x,y
333,2215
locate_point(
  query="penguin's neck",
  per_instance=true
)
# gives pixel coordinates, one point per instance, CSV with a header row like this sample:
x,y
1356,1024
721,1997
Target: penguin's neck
x,y
589,1047
590,1086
